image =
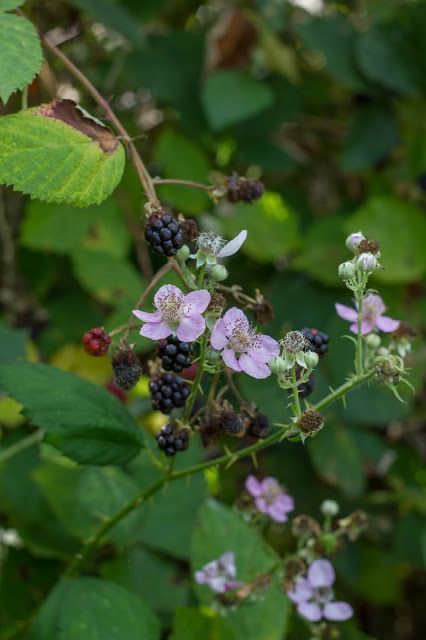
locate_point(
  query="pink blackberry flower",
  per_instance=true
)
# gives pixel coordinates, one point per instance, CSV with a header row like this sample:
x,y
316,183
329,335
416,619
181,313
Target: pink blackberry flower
x,y
314,595
373,309
176,313
270,498
242,347
219,574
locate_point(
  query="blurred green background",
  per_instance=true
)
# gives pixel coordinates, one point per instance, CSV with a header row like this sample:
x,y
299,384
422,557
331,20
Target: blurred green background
x,y
325,102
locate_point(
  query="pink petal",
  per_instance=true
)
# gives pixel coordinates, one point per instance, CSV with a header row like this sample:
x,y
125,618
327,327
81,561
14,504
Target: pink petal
x,y
197,301
321,573
386,324
233,246
265,349
375,301
253,368
227,560
253,486
218,338
277,513
366,327
147,316
191,328
338,611
301,592
347,313
155,330
310,611
261,504
230,360
269,484
285,502
166,290
200,577
233,318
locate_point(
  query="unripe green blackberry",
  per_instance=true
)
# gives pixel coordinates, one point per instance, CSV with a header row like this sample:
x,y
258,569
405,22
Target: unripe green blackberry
x,y
175,355
168,392
164,234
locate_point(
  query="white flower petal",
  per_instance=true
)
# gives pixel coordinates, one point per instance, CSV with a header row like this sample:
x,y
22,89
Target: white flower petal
x,y
233,246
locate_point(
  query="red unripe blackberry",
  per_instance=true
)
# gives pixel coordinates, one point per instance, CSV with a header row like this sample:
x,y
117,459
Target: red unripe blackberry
x,y
171,439
175,355
318,341
164,234
96,342
168,392
240,189
259,426
127,369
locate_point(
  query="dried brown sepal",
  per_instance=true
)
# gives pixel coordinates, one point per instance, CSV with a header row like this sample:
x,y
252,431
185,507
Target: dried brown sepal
x,y
304,526
293,568
189,228
217,303
262,309
354,524
404,330
367,246
68,112
310,422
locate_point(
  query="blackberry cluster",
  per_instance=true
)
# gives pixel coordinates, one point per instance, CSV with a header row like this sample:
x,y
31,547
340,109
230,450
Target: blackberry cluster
x,y
171,439
96,342
318,341
127,369
241,189
175,355
168,392
164,234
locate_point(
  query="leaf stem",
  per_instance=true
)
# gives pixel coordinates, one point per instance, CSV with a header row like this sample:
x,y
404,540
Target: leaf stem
x,y
183,183
295,391
22,444
359,360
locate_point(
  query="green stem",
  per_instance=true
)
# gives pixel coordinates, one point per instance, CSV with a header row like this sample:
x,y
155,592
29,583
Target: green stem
x,y
196,386
295,390
25,443
230,457
359,344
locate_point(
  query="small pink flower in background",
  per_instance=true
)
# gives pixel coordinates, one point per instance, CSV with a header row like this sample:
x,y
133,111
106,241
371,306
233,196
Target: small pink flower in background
x,y
373,309
242,347
176,313
219,574
314,595
270,498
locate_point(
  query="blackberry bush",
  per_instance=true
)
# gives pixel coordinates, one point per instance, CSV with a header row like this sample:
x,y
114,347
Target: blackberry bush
x,y
168,392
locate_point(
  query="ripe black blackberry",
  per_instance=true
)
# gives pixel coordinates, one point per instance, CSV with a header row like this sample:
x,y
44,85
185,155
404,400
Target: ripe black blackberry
x,y
240,189
318,340
164,234
306,388
168,392
233,424
171,439
175,355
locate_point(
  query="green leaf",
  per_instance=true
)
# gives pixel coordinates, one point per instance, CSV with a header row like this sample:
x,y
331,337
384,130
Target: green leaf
x,y
337,459
384,56
221,529
192,624
84,421
8,5
232,96
96,610
62,228
272,227
106,277
180,157
20,51
371,137
12,344
58,154
400,227
335,37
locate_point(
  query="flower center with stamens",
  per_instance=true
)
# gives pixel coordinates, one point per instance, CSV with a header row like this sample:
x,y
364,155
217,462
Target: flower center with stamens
x,y
172,307
271,494
242,338
369,312
322,595
210,243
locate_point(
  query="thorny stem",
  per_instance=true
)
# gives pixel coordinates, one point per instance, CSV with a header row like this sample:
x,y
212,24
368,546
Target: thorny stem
x,y
295,392
228,458
144,177
359,362
184,183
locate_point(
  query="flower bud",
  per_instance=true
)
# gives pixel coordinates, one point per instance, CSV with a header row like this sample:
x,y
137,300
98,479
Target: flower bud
x,y
218,272
367,263
183,253
373,340
311,359
278,366
353,240
347,271
330,508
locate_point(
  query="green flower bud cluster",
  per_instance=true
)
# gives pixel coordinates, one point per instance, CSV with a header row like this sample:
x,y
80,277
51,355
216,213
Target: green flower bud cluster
x,y
355,272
